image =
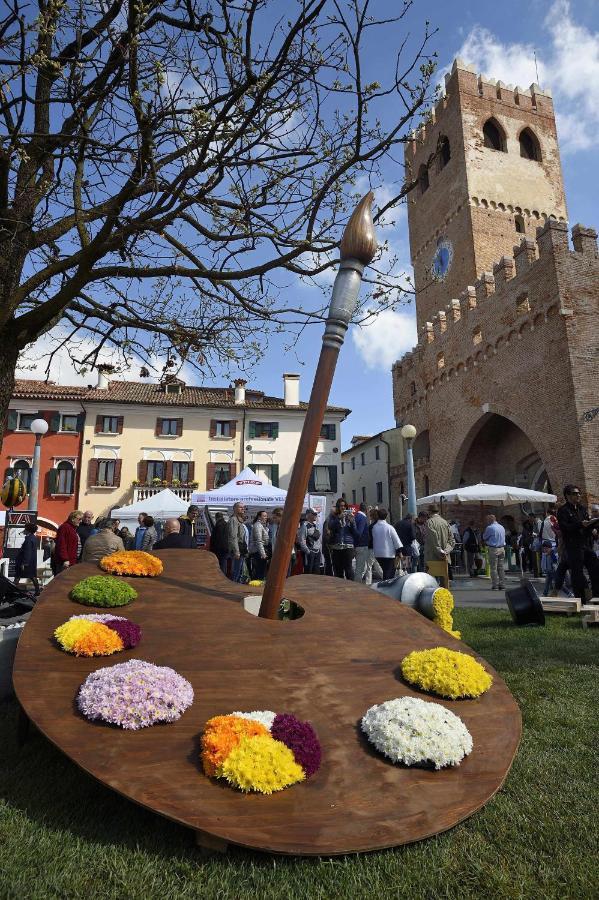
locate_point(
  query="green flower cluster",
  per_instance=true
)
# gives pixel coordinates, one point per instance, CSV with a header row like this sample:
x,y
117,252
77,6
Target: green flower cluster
x,y
103,590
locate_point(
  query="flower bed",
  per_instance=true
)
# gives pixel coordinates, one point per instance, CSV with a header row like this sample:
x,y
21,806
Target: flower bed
x,y
134,695
443,607
103,590
260,751
97,635
446,673
132,562
417,733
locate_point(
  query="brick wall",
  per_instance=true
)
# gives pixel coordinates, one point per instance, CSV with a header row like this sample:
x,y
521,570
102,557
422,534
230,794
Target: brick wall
x,y
522,344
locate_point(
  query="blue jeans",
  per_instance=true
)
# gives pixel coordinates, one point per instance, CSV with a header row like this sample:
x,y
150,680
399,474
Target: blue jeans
x,y
237,569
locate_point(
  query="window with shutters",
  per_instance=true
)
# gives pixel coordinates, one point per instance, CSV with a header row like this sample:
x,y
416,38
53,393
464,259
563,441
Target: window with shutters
x,y
362,459
343,468
69,423
353,462
222,475
156,470
363,495
264,429
106,472
169,427
24,421
353,497
65,478
379,492
377,452
109,424
181,472
222,429
22,470
328,431
268,473
323,479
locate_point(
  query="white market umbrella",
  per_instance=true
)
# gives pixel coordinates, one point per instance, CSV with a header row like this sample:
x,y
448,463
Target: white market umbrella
x,y
247,488
498,494
163,505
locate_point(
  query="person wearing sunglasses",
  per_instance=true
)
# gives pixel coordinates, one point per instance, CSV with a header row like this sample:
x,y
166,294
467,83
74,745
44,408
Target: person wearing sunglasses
x,y
577,530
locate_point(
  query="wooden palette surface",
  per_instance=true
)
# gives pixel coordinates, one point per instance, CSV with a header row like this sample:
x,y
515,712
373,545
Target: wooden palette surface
x,y
327,667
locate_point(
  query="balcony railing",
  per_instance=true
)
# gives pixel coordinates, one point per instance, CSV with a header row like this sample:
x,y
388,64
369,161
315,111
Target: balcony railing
x,y
143,492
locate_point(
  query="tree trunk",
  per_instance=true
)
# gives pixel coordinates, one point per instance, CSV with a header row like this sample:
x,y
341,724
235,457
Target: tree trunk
x,y
9,353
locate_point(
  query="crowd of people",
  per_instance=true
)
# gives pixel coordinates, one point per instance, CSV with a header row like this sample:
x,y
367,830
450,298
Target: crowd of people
x,y
363,545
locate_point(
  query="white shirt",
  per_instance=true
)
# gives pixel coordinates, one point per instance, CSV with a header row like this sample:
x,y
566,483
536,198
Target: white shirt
x,y
548,532
385,541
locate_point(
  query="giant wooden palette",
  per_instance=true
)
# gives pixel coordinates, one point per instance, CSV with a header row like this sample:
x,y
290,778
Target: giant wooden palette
x,y
327,667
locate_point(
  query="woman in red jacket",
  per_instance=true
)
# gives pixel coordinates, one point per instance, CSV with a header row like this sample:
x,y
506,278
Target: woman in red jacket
x,y
68,543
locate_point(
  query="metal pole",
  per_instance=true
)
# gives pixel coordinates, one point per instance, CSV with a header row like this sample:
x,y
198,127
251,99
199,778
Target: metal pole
x,y
35,474
358,247
411,480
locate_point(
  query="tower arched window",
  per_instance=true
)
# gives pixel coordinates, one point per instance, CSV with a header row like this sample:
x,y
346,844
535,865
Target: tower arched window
x,y
444,151
529,145
494,136
423,179
519,222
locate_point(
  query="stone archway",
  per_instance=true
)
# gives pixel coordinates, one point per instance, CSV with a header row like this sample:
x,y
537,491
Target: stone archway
x,y
498,451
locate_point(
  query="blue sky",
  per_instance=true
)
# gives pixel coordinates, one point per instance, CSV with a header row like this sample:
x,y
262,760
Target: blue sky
x,y
500,39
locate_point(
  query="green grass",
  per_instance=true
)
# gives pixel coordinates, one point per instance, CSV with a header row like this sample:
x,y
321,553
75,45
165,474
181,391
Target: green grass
x,y
63,835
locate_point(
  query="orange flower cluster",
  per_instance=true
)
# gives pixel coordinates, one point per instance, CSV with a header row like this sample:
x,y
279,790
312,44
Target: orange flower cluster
x,y
221,735
132,562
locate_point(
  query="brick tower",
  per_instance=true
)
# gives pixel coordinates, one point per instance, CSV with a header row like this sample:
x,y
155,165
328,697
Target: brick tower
x,y
488,172
502,385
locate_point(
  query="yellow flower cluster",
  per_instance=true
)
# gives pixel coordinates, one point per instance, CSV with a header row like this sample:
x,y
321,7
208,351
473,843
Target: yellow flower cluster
x,y
443,608
256,583
261,764
244,753
132,562
446,673
87,638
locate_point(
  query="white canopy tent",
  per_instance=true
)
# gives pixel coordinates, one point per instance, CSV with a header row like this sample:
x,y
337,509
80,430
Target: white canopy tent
x,y
493,494
247,488
163,505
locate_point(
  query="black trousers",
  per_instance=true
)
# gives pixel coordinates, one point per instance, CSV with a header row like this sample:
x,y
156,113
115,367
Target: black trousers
x,y
578,559
387,564
342,563
258,566
312,562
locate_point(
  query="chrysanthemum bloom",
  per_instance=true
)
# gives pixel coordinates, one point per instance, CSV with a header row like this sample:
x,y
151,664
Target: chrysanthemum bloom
x,y
85,638
301,738
261,764
221,735
446,673
132,562
443,605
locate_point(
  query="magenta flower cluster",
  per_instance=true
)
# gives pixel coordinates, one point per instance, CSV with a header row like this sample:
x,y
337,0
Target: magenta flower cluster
x,y
134,694
301,739
128,631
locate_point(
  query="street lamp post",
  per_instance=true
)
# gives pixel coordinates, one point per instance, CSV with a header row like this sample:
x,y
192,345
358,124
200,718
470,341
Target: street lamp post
x,y
408,433
39,428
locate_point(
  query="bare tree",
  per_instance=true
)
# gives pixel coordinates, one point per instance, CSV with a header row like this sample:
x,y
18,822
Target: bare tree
x,y
165,166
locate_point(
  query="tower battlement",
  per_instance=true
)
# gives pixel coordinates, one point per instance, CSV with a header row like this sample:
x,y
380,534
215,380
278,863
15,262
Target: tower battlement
x,y
499,307
465,78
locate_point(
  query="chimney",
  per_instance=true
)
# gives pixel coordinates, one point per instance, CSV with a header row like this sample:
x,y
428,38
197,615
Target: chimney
x,y
240,384
103,373
291,388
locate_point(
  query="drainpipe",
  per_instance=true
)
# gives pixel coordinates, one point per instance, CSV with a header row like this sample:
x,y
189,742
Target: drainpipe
x,y
243,442
388,446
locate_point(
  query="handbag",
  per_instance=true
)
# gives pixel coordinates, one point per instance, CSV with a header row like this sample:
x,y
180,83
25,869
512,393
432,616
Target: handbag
x,y
243,547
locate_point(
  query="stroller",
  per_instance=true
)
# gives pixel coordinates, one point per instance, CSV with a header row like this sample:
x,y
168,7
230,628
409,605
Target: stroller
x,y
15,603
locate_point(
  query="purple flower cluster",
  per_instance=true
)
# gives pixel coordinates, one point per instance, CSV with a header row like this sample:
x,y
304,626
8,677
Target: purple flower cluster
x,y
129,632
134,694
301,738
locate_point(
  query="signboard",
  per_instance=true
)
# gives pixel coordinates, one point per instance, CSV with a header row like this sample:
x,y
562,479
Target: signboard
x,y
20,518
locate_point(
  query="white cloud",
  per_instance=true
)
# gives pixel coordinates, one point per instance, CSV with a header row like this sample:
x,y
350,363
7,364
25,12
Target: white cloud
x,y
569,65
386,338
33,361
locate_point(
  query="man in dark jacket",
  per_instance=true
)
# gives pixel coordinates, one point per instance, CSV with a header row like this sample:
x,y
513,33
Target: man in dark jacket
x,y
86,528
219,541
173,539
406,532
576,529
188,526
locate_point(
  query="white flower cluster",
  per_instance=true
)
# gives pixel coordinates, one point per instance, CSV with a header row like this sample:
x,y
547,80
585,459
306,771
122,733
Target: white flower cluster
x,y
265,716
415,732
